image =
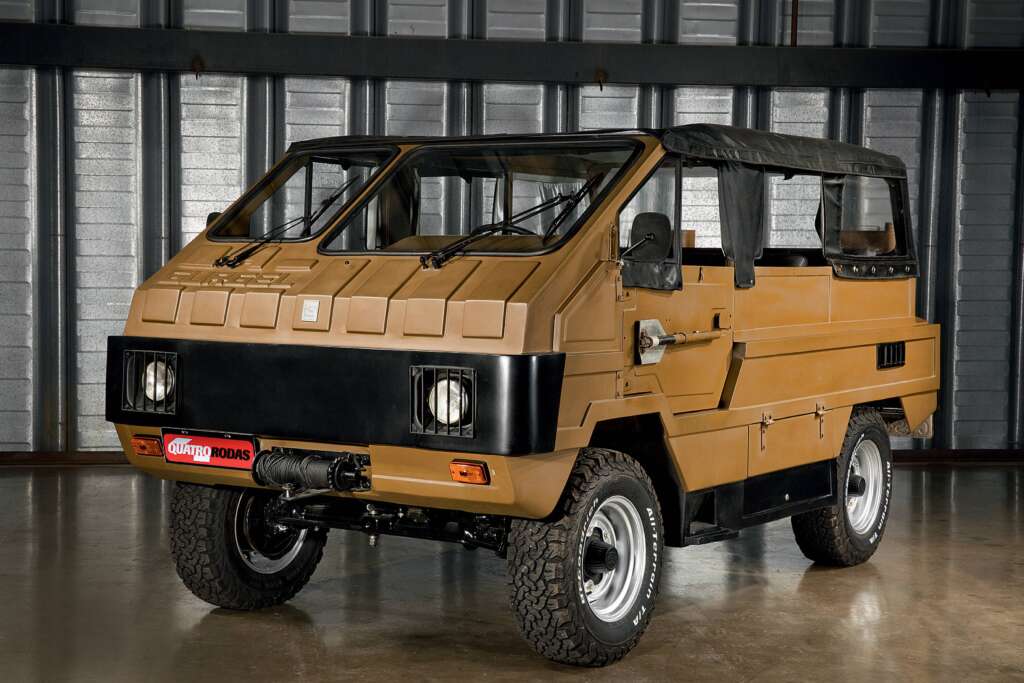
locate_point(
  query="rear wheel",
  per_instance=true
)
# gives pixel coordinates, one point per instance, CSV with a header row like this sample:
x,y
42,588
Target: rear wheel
x,y
584,583
229,553
849,533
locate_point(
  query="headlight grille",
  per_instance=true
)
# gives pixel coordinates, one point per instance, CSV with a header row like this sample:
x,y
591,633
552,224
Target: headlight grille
x,y
133,381
423,378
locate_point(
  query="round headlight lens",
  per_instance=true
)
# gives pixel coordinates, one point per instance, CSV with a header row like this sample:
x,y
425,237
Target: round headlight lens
x,y
158,381
448,401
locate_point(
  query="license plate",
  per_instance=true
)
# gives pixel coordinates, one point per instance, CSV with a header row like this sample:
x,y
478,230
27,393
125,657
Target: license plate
x,y
211,449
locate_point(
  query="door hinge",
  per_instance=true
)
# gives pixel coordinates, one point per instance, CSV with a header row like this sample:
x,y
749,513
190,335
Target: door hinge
x,y
766,420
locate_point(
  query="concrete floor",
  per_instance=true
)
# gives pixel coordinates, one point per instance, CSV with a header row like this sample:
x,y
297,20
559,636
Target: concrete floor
x,y
88,593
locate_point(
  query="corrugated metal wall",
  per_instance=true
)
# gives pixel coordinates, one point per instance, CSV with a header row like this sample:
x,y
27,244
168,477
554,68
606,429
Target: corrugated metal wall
x,y
105,174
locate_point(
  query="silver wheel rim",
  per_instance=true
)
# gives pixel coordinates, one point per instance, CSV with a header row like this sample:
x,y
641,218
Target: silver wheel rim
x,y
862,510
618,523
252,549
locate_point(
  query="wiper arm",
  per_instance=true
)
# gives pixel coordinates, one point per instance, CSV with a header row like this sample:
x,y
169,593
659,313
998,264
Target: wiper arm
x,y
437,258
233,260
236,259
574,201
328,201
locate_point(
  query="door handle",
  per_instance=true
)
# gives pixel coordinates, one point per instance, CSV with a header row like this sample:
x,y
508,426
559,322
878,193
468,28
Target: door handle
x,y
652,341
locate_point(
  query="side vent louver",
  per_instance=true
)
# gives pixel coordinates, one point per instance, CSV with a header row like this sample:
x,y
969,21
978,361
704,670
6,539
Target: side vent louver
x,y
892,355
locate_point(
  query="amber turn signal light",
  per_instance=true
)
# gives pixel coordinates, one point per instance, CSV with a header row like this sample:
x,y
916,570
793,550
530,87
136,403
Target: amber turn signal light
x,y
147,445
469,472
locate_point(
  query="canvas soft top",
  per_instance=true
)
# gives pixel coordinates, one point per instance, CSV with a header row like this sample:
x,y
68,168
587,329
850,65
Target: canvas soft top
x,y
715,143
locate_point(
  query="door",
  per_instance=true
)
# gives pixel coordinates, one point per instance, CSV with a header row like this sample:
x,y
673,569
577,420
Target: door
x,y
683,299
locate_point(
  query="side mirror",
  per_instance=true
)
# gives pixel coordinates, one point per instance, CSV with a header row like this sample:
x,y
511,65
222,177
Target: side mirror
x,y
650,238
211,217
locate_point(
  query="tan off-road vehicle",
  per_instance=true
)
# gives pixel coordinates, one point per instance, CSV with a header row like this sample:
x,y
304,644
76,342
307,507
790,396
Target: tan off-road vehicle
x,y
574,350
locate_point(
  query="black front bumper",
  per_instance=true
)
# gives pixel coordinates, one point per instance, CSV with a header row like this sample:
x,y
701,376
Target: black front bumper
x,y
341,395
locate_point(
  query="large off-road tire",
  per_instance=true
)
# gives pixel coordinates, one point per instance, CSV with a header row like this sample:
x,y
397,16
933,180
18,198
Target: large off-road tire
x,y
575,599
227,554
849,533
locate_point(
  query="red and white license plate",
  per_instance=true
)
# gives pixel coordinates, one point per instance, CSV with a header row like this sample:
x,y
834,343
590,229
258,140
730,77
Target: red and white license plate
x,y
209,448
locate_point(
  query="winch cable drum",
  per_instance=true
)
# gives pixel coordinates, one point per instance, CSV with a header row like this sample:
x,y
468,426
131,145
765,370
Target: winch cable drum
x,y
305,471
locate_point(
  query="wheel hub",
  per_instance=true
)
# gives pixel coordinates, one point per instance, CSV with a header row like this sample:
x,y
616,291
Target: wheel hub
x,y
865,481
614,558
264,546
599,557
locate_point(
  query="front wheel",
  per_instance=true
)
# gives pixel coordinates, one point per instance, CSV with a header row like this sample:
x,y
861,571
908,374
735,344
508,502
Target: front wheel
x,y
849,533
229,553
584,583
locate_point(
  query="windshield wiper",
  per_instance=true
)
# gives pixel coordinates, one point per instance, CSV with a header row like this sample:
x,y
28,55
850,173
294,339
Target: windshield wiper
x,y
437,258
328,201
574,201
236,259
233,260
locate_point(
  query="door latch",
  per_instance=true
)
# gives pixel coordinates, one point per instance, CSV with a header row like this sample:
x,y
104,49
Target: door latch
x,y
819,412
766,421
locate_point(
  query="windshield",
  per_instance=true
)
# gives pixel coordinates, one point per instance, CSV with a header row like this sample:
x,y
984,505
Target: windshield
x,y
513,197
302,197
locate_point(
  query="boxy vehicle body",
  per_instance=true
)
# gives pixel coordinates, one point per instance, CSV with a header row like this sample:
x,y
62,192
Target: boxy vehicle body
x,y
651,338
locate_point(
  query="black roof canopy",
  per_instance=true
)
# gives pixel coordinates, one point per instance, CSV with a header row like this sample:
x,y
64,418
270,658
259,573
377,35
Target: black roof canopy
x,y
714,143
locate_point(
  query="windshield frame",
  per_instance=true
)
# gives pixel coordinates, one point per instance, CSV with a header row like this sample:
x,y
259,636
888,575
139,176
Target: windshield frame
x,y
390,150
540,140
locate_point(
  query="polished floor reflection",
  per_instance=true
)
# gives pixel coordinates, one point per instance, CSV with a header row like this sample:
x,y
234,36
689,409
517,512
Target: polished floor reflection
x,y
87,592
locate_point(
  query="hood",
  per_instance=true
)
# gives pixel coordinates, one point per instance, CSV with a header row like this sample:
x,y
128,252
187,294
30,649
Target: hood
x,y
360,300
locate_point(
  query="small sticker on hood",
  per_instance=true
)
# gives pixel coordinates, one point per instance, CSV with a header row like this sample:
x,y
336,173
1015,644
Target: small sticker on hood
x,y
310,310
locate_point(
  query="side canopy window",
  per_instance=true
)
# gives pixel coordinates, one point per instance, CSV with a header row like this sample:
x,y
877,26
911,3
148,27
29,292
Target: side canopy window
x,y
865,221
649,231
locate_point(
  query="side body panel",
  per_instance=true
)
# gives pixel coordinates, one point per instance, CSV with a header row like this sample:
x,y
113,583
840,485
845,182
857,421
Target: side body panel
x,y
796,353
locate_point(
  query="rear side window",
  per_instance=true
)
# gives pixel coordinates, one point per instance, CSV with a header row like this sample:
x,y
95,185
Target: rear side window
x,y
867,226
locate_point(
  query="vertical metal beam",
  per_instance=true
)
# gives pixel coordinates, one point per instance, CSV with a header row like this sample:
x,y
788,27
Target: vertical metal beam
x,y
846,105
49,356
794,22
744,99
654,29
564,22
175,19
949,26
53,257
948,266
154,163
466,19
365,111
258,115
1016,422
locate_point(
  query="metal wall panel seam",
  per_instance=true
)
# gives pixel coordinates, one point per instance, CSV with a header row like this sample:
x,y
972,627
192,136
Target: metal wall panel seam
x,y
929,201
1016,416
69,409
949,266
